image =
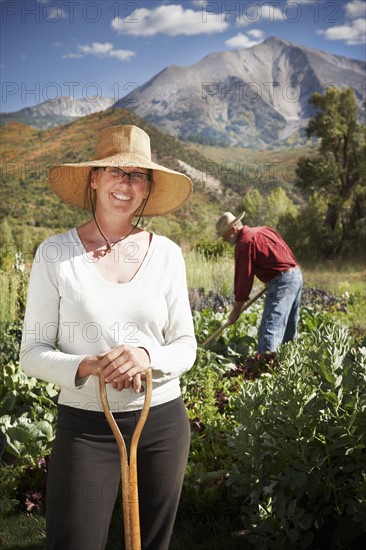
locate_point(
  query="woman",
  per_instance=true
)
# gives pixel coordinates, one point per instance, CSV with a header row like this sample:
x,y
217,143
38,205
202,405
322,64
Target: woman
x,y
110,299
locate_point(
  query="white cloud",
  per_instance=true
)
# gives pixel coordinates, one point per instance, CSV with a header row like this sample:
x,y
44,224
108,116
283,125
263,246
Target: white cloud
x,y
99,49
56,44
170,20
256,33
241,41
355,8
352,34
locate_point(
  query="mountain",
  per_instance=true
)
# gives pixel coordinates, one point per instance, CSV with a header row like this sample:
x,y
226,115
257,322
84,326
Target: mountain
x,y
256,97
55,112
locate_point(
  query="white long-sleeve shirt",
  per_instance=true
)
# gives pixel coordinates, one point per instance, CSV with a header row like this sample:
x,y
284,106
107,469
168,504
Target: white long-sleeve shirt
x,y
72,312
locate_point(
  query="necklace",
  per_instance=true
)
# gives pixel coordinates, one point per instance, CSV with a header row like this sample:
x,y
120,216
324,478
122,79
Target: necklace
x,y
110,245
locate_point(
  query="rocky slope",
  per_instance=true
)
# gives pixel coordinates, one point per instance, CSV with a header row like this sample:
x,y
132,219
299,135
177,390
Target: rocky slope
x,y
257,96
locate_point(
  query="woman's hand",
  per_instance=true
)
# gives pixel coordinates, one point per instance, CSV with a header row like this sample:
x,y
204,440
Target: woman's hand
x,y
122,366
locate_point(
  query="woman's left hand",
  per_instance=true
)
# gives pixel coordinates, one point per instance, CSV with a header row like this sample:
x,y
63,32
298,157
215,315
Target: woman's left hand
x,y
124,366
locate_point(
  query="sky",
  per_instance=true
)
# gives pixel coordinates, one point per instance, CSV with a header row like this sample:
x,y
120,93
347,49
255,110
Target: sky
x,y
88,49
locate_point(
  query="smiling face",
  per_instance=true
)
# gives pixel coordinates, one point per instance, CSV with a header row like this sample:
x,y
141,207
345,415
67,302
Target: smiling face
x,y
120,190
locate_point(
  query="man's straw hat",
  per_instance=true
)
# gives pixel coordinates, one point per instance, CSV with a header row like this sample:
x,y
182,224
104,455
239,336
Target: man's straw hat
x,y
123,146
226,222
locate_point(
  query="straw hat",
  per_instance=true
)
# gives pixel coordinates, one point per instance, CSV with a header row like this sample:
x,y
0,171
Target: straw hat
x,y
123,146
226,222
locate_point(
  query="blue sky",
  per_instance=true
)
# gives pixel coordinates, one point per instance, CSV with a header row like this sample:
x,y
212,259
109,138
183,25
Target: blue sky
x,y
89,48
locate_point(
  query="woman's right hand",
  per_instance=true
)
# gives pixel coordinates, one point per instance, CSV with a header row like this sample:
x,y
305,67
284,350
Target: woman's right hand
x,y
88,367
123,367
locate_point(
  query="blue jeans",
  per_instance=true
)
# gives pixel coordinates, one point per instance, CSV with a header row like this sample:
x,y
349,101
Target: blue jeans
x,y
281,310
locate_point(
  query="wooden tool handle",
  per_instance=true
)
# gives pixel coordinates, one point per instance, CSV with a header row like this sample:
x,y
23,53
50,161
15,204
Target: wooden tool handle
x,y
133,486
130,503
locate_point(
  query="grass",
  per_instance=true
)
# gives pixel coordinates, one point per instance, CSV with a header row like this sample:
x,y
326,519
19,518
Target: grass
x,y
344,280
336,277
20,531
8,296
333,276
23,532
216,276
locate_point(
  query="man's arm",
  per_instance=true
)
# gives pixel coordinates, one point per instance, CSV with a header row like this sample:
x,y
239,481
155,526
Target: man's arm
x,y
235,312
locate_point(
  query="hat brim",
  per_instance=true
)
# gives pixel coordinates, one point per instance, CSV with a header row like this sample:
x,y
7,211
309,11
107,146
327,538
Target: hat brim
x,y
170,189
229,226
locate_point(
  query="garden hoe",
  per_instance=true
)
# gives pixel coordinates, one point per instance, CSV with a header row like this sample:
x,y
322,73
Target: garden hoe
x,y
130,502
245,306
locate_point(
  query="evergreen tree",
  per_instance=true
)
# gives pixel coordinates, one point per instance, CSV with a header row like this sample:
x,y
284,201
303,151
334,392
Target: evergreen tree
x,y
338,168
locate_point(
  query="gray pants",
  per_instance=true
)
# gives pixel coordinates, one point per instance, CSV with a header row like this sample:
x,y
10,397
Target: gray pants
x,y
84,476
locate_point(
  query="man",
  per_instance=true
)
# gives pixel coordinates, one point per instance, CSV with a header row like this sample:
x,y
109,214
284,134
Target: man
x,y
261,252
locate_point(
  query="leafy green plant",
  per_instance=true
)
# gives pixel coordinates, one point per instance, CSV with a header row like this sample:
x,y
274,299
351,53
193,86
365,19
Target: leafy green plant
x,y
27,405
300,445
207,397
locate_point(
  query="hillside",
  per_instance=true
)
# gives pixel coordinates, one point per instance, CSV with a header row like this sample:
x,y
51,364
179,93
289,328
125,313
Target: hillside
x,y
221,176
242,169
29,206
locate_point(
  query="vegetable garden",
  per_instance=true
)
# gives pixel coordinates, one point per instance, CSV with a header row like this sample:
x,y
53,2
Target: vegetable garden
x,y
278,453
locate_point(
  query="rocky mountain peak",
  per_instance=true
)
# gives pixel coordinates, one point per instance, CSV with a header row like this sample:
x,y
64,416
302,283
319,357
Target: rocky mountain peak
x,y
257,96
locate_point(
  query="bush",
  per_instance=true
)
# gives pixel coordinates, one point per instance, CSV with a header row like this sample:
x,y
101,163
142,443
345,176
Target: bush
x,y
27,405
300,466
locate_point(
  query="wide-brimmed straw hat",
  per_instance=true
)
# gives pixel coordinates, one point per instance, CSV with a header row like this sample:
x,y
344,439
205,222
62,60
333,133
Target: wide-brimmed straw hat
x,y
226,222
123,146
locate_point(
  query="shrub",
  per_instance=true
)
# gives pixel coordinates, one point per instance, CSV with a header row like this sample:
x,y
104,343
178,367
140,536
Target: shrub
x,y
300,466
27,405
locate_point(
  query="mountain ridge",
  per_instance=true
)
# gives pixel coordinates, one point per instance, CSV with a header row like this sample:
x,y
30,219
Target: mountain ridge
x,y
58,111
255,97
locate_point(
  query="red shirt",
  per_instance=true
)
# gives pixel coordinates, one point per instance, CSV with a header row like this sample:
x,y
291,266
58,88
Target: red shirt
x,y
259,251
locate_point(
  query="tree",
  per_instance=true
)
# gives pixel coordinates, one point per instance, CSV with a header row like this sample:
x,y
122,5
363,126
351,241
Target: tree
x,y
255,207
279,207
338,168
271,210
